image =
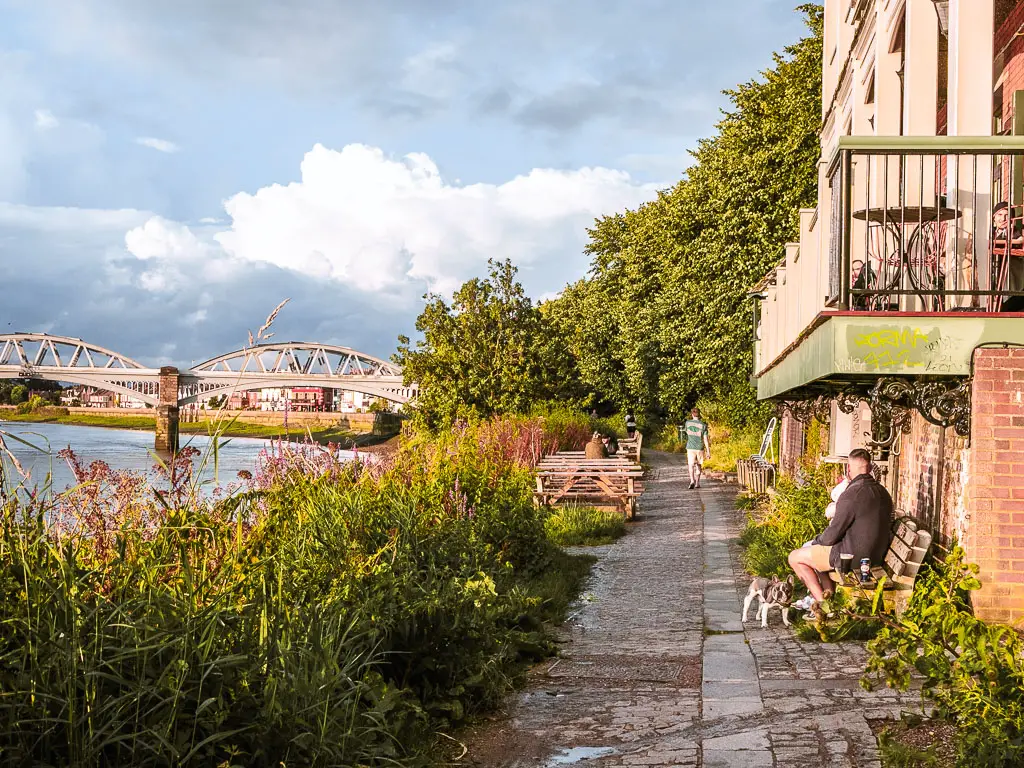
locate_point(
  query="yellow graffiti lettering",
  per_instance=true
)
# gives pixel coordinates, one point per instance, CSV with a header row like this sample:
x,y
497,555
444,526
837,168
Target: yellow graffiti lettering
x,y
907,337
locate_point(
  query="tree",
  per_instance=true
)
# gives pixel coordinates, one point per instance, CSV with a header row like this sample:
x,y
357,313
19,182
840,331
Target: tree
x,y
663,318
19,394
489,352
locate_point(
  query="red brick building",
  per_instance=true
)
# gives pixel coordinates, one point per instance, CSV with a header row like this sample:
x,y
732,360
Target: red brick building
x,y
897,318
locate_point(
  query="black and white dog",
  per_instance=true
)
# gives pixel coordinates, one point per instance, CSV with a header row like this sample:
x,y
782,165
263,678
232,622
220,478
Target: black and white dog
x,y
773,594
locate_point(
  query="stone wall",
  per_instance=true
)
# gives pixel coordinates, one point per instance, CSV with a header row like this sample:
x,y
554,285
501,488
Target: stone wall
x,y
994,497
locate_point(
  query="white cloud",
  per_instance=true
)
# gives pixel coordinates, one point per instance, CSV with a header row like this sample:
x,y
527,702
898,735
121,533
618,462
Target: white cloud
x,y
354,242
160,145
45,120
377,223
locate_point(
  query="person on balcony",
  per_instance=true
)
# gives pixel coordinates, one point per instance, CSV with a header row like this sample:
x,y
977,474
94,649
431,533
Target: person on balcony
x,y
1008,238
860,529
861,279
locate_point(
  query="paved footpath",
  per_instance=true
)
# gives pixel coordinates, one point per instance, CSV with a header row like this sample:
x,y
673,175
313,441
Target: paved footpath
x,y
658,670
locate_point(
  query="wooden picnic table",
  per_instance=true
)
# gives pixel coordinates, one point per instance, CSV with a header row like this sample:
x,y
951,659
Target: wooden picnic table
x,y
572,478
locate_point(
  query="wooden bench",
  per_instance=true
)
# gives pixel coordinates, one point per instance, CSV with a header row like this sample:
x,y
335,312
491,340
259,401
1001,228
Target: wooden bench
x,y
603,483
907,551
630,448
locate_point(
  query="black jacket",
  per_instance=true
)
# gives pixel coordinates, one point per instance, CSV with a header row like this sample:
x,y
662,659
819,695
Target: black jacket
x,y
862,523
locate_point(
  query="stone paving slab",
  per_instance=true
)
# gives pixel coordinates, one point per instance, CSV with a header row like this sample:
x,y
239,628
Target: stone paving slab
x,y
658,669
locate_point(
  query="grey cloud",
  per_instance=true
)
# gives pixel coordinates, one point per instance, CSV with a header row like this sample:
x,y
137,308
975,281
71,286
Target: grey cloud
x,y
80,282
642,57
572,106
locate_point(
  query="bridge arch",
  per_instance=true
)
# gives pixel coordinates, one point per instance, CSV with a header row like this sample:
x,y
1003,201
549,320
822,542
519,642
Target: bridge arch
x,y
299,357
47,357
34,350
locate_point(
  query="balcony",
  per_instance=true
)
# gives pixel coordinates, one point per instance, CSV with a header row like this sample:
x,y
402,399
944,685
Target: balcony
x,y
914,257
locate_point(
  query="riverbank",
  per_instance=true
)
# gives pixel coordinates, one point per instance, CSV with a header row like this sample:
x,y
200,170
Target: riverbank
x,y
227,427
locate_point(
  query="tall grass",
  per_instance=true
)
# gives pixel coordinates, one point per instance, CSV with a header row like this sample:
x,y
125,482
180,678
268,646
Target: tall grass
x,y
313,612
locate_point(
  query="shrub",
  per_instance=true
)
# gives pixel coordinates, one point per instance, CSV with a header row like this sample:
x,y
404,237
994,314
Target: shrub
x,y
785,521
316,612
972,671
586,526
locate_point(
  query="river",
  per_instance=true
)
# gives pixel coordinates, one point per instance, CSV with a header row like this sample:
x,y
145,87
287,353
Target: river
x,y
120,448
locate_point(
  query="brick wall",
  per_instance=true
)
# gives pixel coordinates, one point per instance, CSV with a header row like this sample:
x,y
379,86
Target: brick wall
x,y
918,491
1012,77
791,444
994,495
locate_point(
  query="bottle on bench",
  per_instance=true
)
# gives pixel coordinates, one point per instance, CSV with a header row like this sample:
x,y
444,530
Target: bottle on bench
x,y
865,570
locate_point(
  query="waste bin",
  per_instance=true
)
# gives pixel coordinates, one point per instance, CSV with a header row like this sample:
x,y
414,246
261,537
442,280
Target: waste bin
x,y
757,479
742,471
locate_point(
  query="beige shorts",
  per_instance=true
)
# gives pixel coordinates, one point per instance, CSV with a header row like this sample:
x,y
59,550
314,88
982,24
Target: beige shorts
x,y
694,456
819,557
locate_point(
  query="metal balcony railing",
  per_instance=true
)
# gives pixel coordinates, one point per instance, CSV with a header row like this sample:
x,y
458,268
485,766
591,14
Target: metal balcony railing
x,y
932,224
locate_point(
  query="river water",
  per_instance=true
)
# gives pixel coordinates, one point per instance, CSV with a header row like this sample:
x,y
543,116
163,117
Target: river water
x,y
120,448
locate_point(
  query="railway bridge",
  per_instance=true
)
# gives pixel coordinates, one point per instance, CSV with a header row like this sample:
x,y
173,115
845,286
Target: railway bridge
x,y
281,364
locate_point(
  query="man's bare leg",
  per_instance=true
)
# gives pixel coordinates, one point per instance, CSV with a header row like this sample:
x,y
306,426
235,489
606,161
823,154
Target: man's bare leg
x,y
800,562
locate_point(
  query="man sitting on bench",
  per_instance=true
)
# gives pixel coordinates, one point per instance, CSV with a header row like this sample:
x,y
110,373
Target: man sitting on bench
x,y
860,529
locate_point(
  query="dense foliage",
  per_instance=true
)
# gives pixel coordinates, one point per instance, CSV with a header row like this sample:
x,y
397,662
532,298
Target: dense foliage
x,y
663,320
488,352
972,671
315,613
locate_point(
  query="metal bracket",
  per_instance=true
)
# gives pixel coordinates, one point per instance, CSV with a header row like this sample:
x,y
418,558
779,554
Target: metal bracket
x,y
944,403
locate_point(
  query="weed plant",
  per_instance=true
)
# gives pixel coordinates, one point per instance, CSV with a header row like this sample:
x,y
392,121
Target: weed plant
x,y
973,672
313,612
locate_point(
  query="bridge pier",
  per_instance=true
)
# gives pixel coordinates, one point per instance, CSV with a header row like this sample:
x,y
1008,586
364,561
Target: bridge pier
x,y
167,415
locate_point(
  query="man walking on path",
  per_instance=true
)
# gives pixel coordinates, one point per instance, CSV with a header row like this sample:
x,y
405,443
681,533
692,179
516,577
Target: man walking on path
x,y
860,527
697,439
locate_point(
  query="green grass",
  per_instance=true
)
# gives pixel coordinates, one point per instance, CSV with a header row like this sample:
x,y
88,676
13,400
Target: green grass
x,y
561,584
730,445
782,523
584,526
83,419
230,428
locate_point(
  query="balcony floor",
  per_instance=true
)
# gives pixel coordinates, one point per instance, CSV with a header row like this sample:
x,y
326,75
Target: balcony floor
x,y
861,346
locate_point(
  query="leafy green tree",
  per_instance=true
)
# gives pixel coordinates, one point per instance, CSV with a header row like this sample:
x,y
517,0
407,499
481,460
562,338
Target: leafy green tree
x,y
663,319
19,394
489,352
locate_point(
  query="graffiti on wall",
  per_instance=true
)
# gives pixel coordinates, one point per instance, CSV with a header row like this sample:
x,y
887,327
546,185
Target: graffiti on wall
x,y
905,348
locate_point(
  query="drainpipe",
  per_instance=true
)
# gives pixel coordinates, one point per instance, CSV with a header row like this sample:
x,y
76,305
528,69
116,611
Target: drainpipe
x,y
940,476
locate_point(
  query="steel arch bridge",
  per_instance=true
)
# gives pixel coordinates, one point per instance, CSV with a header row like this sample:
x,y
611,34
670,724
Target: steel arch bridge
x,y
285,364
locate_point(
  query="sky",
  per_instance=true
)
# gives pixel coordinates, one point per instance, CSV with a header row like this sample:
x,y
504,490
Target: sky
x,y
170,170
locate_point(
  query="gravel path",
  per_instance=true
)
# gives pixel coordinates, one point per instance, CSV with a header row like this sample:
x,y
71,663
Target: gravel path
x,y
658,670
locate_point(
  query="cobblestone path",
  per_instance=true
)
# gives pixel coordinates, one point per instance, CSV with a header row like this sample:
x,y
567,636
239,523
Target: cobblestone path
x,y
658,670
